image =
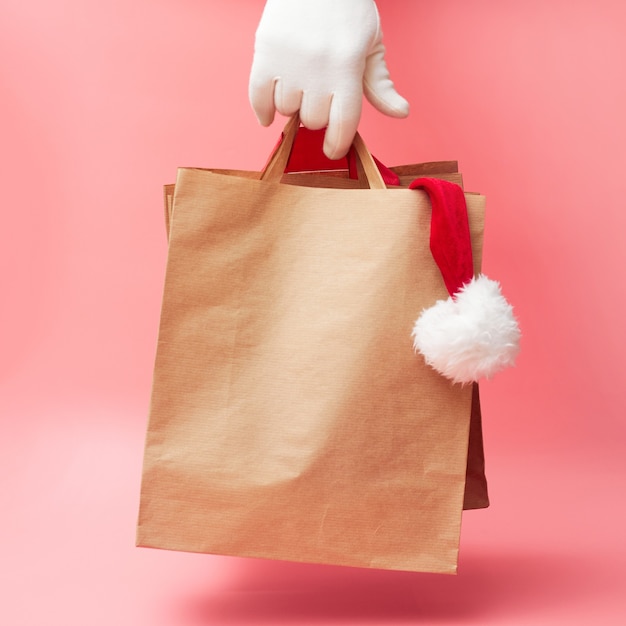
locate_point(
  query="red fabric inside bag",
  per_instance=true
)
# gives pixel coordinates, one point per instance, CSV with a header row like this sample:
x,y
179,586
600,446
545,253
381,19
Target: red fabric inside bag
x,y
308,155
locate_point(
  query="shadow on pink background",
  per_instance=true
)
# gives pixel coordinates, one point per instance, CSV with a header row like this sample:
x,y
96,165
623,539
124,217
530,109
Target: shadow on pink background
x,y
101,102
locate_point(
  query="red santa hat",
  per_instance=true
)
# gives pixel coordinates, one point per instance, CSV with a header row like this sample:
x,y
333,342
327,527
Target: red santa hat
x,y
473,334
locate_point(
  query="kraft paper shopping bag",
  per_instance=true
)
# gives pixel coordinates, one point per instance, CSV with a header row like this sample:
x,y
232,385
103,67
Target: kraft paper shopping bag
x,y
291,417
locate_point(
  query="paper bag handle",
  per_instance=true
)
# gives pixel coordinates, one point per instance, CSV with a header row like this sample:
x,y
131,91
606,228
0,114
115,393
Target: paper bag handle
x,y
369,174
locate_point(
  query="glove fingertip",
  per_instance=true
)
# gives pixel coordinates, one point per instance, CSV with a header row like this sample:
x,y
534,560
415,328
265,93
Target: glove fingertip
x,y
265,118
336,146
388,101
262,102
344,116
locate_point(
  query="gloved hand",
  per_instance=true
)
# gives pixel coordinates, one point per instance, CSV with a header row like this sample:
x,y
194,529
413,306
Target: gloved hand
x,y
320,57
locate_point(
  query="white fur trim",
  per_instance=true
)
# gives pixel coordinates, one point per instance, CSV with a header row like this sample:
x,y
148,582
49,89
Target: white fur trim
x,y
471,336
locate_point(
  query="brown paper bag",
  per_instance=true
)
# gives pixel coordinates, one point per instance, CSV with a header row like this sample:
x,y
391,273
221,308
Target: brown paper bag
x,y
290,417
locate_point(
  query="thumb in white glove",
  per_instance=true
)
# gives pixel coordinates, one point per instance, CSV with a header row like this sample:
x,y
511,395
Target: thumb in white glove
x,y
319,57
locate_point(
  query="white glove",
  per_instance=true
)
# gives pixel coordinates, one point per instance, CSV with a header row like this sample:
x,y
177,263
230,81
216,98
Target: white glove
x,y
320,57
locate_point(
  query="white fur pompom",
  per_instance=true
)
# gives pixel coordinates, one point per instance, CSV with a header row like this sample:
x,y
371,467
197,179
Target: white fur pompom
x,y
471,336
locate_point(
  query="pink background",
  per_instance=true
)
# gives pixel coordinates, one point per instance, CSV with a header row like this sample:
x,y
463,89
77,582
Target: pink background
x,y
102,101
